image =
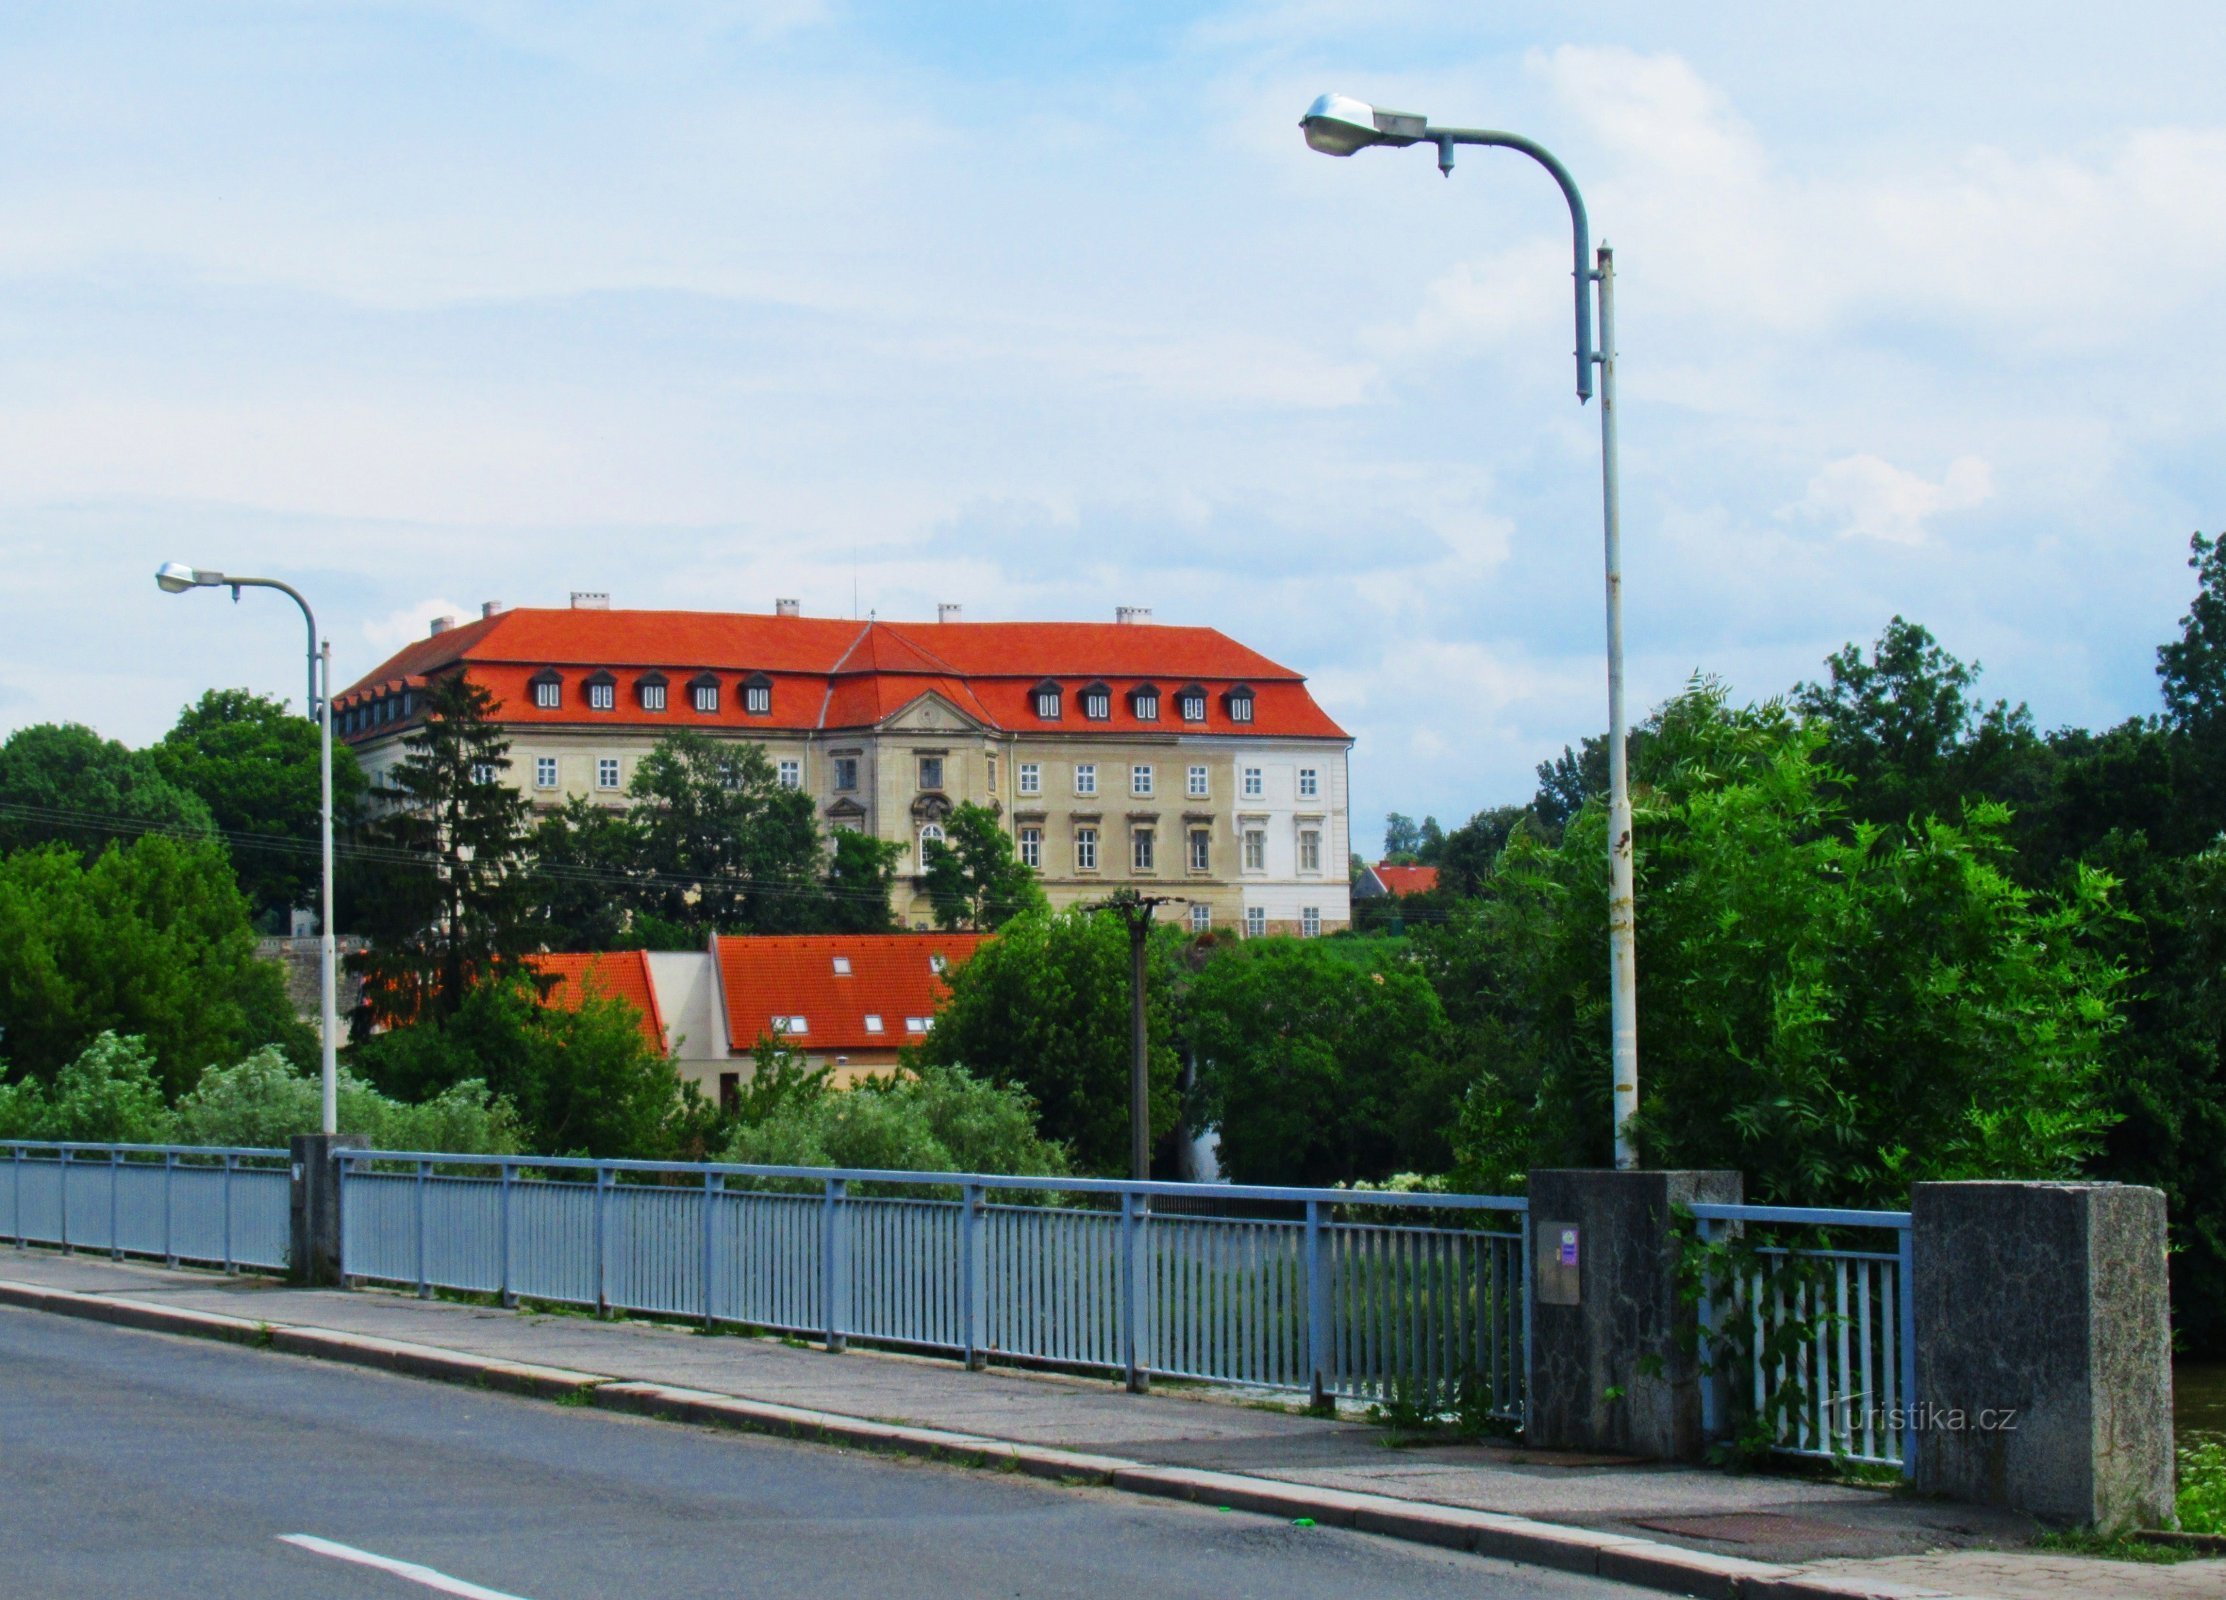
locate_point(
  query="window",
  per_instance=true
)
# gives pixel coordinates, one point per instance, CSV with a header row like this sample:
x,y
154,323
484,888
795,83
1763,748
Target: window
x,y
1145,703
730,775
1201,919
1310,922
842,966
1201,850
846,772
1255,785
1192,704
484,772
1310,850
1085,849
931,772
544,772
1140,780
1196,786
1031,777
706,696
548,693
1255,921
936,964
1097,702
792,774
1047,701
606,772
602,696
873,1022
918,1024
989,773
757,697
653,695
1031,848
1310,783
1141,851
1240,704
792,1025
930,833
1255,850
1086,777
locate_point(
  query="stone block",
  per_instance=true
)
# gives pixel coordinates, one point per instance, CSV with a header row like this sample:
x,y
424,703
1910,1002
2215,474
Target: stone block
x,y
1618,1370
2044,1371
314,1258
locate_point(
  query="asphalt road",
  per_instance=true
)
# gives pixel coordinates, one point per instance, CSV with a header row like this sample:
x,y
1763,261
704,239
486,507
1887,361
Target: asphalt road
x,y
138,1464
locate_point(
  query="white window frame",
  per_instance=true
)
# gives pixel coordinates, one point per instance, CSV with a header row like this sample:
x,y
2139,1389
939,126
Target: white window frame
x,y
1255,782
757,699
1031,848
1194,708
705,697
918,1024
1143,850
930,831
1310,850
1310,922
1240,708
1201,918
602,697
791,773
1146,707
1255,922
1098,706
548,695
1141,777
607,772
1086,849
544,772
1047,704
1031,777
1085,777
1255,849
1199,783
653,696
1310,783
842,966
873,1022
1201,849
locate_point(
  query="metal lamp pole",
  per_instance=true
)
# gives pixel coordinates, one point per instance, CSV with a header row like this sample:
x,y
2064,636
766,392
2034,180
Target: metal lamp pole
x,y
176,578
1338,125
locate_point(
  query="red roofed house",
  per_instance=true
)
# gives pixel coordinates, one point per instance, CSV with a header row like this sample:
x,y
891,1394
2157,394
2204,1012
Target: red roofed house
x,y
1173,759
1383,878
619,974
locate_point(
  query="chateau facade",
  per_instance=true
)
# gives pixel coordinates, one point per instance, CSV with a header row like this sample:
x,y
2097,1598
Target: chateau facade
x,y
1173,760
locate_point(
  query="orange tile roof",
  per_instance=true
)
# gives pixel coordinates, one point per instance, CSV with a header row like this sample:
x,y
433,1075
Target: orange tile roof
x,y
1405,880
829,673
620,974
891,977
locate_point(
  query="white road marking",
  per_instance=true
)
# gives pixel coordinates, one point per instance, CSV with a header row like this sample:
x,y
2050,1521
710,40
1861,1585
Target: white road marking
x,y
408,1570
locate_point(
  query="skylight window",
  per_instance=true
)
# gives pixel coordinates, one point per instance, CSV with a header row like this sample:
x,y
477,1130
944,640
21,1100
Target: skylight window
x,y
842,966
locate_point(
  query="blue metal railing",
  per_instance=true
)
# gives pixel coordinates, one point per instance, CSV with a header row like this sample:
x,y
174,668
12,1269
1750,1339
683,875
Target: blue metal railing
x,y
1366,1294
224,1207
1847,1387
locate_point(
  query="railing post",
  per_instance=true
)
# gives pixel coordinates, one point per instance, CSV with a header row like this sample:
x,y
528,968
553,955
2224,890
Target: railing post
x,y
1905,1305
169,1223
424,1278
1712,1424
712,1183
602,1251
1317,1308
15,1167
834,1265
229,1162
62,1198
115,1186
505,1294
1530,1280
973,1300
1135,1357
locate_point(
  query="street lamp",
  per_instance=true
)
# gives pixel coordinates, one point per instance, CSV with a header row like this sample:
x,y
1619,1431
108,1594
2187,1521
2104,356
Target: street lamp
x,y
175,577
1338,125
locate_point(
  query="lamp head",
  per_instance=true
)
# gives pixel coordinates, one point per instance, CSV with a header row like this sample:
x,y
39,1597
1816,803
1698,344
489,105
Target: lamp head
x,y
175,577
1337,125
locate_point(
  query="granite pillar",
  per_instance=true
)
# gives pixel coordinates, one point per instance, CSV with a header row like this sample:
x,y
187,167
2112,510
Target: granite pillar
x,y
315,1255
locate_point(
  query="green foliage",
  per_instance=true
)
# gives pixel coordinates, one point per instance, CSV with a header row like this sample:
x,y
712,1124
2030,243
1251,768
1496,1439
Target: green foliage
x,y
2202,1486
1044,1007
585,853
63,783
861,876
973,878
942,1120
1322,1061
1836,1010
583,1082
150,939
109,1094
729,848
449,901
2193,666
781,1084
256,767
263,1101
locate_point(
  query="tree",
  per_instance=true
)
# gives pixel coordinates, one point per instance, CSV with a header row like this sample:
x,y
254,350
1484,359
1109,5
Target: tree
x,y
1322,1061
585,855
257,768
1402,838
728,847
1472,850
63,783
109,1095
150,939
975,880
448,899
264,1101
1045,1007
2193,666
939,1120
861,875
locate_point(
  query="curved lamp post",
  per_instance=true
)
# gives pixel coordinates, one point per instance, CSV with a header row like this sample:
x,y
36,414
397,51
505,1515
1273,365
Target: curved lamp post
x,y
1339,125
174,577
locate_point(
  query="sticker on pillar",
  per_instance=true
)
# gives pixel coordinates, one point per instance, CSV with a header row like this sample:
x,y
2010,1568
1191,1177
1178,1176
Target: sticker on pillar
x,y
1557,1247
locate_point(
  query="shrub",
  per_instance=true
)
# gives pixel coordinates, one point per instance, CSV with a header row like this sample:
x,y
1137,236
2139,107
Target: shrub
x,y
263,1101
109,1095
944,1120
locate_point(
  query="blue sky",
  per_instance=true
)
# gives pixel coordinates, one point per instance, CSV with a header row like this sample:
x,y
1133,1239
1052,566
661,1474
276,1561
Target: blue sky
x,y
1045,308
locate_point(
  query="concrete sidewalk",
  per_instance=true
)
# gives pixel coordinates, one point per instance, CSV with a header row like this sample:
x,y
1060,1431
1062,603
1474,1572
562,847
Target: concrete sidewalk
x,y
1681,1529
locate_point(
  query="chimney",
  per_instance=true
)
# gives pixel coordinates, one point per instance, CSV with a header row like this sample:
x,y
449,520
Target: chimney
x,y
788,608
590,600
948,611
441,625
492,608
1132,614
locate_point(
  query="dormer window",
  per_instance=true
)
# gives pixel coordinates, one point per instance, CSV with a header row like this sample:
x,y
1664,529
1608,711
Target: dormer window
x,y
1143,703
548,690
650,688
1191,702
1240,704
703,692
1097,702
602,692
757,695
1048,700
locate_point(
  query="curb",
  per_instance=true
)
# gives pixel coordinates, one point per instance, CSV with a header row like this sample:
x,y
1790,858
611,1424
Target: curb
x,y
1620,1558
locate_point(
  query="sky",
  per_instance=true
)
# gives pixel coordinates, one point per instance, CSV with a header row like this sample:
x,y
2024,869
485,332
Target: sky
x,y
1045,308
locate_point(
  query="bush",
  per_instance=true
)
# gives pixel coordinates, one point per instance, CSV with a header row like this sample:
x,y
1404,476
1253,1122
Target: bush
x,y
108,1095
263,1101
944,1120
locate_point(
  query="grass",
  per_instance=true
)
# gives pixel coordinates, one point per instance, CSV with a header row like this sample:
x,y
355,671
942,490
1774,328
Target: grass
x,y
2202,1492
2114,1547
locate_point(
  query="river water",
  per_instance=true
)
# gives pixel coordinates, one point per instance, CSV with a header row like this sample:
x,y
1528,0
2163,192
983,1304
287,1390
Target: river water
x,y
2199,1397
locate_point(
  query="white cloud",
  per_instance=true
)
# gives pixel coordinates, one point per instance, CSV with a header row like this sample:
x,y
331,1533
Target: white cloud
x,y
1862,497
391,632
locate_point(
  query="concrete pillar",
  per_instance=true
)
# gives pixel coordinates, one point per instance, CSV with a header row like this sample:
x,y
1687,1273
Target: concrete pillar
x,y
2044,1360
1613,1361
315,1256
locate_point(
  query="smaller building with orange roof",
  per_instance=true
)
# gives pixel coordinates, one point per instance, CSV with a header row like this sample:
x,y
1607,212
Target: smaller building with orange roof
x,y
618,974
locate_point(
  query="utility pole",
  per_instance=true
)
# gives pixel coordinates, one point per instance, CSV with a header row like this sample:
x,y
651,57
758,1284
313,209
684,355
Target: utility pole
x,y
1136,911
